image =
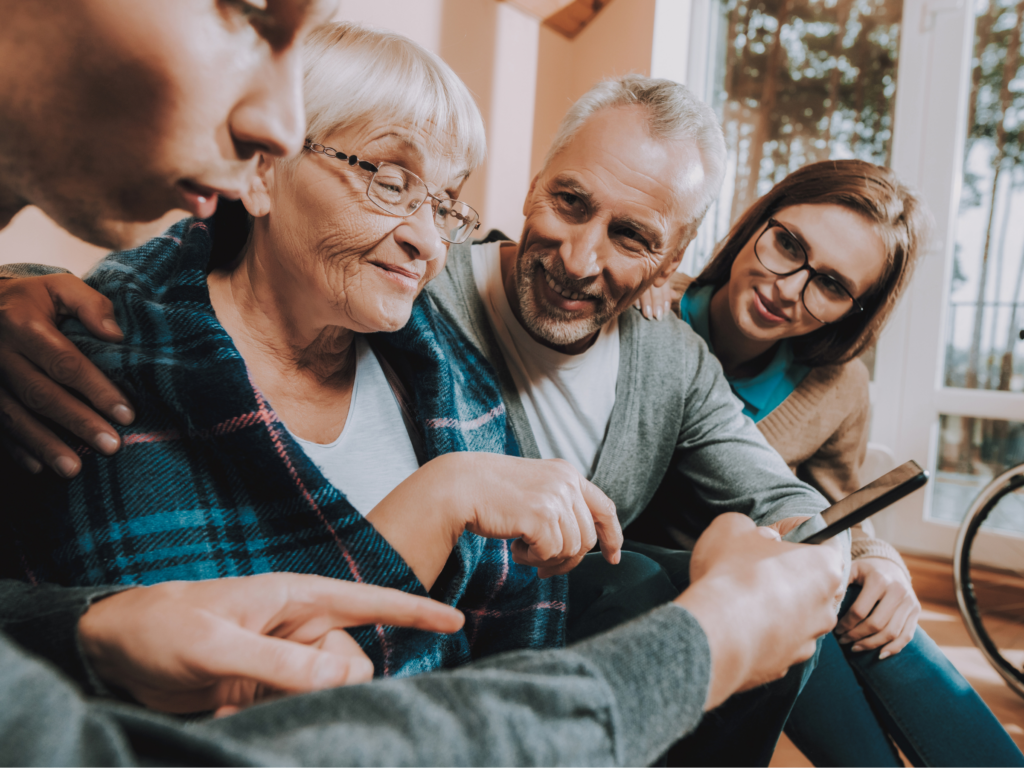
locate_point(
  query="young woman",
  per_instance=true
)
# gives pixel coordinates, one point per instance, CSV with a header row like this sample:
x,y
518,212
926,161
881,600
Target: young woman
x,y
798,290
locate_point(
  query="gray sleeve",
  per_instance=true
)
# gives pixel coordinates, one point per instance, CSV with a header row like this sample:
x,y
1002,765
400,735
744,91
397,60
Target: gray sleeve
x,y
724,456
29,270
620,698
44,620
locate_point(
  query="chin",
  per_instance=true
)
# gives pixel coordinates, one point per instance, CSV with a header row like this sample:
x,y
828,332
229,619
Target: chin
x,y
114,234
391,321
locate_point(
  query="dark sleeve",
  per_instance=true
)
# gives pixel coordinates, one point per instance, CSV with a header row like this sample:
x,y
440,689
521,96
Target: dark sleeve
x,y
29,270
44,620
620,698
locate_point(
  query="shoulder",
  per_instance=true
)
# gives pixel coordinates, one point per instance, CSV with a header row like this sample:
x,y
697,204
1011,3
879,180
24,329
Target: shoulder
x,y
680,282
845,382
668,349
179,254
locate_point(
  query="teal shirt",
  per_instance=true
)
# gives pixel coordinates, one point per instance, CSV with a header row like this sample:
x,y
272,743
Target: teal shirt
x,y
763,393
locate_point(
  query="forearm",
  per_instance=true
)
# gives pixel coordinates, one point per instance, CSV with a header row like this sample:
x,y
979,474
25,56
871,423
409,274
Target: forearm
x,y
620,698
44,620
421,520
728,462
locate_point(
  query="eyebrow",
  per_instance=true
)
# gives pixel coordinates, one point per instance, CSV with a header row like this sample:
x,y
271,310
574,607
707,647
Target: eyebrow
x,y
829,271
420,155
653,236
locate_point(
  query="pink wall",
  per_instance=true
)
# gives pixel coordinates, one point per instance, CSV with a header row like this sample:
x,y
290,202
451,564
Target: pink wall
x,y
618,41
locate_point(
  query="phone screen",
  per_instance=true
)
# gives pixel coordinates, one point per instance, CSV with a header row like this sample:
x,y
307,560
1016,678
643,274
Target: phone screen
x,y
860,505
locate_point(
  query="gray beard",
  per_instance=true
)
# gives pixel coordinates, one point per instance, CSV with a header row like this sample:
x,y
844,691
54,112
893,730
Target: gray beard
x,y
552,324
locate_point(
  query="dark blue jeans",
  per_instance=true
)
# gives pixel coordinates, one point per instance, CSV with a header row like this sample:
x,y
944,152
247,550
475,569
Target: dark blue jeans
x,y
742,731
852,700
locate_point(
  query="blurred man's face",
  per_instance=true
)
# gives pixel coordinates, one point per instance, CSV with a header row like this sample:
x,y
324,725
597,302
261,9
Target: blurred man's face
x,y
610,215
113,112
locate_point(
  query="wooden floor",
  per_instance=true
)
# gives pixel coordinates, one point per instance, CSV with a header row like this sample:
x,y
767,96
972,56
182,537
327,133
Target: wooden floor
x,y
942,622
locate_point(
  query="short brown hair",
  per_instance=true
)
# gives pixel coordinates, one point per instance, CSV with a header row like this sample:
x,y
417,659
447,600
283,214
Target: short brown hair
x,y
899,215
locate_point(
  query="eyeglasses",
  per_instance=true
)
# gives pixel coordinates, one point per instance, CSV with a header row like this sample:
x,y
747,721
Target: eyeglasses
x,y
401,192
782,254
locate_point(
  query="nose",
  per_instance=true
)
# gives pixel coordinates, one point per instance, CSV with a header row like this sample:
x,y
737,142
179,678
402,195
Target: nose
x,y
270,118
418,236
580,252
791,286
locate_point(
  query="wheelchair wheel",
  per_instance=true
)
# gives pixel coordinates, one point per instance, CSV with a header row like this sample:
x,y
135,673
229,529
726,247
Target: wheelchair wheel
x,y
991,598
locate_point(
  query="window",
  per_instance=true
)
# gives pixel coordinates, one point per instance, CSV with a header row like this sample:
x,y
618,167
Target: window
x,y
797,82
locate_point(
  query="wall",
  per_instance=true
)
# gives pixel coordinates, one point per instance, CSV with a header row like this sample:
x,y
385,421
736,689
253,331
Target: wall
x,y
618,41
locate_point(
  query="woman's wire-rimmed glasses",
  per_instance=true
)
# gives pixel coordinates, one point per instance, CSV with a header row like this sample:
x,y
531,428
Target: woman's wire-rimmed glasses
x,y
781,253
401,192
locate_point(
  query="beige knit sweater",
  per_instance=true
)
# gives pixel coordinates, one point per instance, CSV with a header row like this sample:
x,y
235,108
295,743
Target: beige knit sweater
x,y
821,432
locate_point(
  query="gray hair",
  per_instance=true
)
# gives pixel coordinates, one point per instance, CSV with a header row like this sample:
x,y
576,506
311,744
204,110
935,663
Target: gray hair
x,y
356,75
673,114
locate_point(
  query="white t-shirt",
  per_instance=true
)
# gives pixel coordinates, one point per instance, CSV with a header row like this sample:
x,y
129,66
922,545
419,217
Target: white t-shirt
x,y
568,398
373,454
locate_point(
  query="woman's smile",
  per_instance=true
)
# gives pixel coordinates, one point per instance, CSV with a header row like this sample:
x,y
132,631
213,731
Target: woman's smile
x,y
768,311
404,277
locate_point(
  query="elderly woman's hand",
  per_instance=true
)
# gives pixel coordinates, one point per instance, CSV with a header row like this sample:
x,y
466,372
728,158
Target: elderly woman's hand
x,y
555,514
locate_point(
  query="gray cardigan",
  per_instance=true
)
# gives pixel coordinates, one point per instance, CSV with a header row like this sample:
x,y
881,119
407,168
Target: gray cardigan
x,y
620,698
673,411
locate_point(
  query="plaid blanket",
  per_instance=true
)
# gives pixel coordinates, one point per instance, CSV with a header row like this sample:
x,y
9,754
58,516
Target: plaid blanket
x,y
209,483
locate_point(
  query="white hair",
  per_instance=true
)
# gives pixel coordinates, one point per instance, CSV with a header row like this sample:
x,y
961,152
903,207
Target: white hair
x,y
673,113
355,75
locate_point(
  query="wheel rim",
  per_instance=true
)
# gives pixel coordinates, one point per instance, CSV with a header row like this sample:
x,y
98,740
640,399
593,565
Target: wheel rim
x,y
977,513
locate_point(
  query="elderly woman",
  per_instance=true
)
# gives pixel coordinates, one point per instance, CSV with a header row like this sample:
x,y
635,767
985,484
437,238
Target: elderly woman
x,y
275,433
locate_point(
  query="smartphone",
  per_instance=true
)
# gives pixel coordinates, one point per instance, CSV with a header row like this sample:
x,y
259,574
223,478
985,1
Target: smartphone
x,y
860,505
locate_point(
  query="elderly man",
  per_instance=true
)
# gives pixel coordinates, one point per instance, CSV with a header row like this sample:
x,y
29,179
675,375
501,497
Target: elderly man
x,y
171,643
635,165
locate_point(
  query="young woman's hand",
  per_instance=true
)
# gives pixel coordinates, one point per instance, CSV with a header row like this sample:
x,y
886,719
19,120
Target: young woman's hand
x,y
555,514
655,302
885,613
40,369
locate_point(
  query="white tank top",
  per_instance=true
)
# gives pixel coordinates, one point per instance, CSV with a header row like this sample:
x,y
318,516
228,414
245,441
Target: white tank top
x,y
373,454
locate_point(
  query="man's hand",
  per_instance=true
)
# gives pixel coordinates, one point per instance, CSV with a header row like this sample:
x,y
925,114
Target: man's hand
x,y
189,646
38,365
762,602
840,543
885,612
555,514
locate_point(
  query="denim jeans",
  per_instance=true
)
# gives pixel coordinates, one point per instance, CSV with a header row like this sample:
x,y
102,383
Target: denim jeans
x,y
852,700
742,731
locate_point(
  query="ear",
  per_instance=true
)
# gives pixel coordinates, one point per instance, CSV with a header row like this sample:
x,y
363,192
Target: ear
x,y
256,199
529,195
670,266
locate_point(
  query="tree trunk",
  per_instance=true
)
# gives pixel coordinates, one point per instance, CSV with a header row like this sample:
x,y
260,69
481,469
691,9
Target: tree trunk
x,y
765,107
1006,364
1000,258
844,9
983,36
